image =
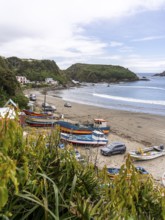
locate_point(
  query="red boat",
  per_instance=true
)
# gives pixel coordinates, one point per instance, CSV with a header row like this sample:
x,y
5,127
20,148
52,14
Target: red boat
x,y
37,114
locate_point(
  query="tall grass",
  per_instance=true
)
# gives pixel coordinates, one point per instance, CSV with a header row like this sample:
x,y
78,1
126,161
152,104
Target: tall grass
x,y
39,181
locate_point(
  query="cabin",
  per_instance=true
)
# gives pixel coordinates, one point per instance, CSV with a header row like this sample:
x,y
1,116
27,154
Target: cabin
x,y
99,122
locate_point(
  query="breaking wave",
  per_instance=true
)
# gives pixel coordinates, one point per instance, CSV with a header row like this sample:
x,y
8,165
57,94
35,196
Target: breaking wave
x,y
152,102
143,87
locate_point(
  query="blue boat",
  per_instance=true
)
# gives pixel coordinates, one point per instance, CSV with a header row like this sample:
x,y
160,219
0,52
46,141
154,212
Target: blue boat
x,y
83,129
97,138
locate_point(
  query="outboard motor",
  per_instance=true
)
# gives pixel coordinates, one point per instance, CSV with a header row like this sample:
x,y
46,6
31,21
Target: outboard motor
x,y
161,147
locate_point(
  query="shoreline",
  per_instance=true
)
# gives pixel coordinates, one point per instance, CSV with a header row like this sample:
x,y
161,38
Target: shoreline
x,y
136,130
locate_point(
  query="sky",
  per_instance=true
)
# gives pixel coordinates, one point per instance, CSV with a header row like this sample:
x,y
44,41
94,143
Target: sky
x,y
129,33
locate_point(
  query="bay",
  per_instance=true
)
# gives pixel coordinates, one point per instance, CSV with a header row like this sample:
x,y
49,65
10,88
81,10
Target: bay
x,y
139,96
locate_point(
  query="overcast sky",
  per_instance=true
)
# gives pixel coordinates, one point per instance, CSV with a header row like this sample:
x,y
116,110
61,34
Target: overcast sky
x,y
130,33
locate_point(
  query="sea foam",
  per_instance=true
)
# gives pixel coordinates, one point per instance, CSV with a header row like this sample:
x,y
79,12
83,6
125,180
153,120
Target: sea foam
x,y
152,102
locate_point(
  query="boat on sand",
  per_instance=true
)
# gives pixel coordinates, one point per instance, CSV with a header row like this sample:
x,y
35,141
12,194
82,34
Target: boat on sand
x,y
97,138
40,122
37,114
148,153
68,127
75,128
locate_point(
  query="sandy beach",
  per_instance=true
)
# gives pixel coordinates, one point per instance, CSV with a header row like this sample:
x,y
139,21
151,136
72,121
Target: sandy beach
x,y
136,130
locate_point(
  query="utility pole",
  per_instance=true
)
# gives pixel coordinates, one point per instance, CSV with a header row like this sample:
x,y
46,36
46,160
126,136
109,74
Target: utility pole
x,y
45,93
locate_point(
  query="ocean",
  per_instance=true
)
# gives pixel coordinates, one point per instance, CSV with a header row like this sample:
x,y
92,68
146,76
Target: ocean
x,y
139,96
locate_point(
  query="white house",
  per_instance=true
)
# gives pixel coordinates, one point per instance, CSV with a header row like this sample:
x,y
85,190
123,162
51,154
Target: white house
x,y
11,103
22,79
51,81
7,112
75,82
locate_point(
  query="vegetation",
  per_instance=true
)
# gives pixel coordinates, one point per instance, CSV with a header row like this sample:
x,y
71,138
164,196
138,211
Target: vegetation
x,y
36,70
9,87
40,181
160,74
100,73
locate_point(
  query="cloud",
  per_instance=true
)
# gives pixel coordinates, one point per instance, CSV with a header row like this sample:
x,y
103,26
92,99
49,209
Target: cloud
x,y
56,29
149,38
115,44
138,63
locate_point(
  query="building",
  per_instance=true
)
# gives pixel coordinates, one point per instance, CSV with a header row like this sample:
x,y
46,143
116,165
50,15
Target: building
x,y
75,82
22,79
51,81
7,112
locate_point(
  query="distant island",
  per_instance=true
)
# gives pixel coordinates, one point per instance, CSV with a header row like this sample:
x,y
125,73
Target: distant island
x,y
160,74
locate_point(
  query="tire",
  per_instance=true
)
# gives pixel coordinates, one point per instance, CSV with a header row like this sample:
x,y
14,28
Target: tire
x,y
122,152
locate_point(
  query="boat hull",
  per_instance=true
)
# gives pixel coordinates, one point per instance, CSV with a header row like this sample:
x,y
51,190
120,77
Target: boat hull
x,y
36,114
147,157
71,128
65,127
40,123
148,153
83,140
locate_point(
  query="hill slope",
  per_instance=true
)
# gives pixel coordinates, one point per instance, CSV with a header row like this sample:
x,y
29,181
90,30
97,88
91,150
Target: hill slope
x,y
9,87
99,73
160,74
36,70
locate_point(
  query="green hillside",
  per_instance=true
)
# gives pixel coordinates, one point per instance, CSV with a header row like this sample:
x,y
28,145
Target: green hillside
x,y
9,87
99,73
36,70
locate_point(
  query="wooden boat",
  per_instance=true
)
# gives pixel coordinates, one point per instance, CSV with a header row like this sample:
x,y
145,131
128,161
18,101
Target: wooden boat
x,y
148,153
99,124
97,138
114,172
37,114
40,122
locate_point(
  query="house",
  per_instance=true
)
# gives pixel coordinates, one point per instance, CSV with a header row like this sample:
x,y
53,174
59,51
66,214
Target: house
x,y
10,103
51,81
7,112
22,79
75,82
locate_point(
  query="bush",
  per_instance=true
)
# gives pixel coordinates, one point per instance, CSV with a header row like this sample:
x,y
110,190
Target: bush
x,y
21,100
40,181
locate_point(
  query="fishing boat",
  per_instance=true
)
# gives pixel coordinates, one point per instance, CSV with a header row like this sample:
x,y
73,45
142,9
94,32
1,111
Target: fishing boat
x,y
40,122
148,153
83,129
97,138
113,172
37,114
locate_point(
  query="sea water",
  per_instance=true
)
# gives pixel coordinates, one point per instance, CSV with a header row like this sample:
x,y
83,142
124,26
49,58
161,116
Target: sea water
x,y
139,96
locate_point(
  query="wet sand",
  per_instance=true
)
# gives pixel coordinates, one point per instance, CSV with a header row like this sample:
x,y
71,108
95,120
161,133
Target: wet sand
x,y
136,130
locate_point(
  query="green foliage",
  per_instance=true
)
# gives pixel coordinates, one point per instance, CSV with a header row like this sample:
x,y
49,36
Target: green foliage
x,y
21,100
9,87
36,70
9,84
40,181
100,73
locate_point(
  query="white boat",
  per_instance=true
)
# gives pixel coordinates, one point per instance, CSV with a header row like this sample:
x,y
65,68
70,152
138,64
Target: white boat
x,y
97,138
148,153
